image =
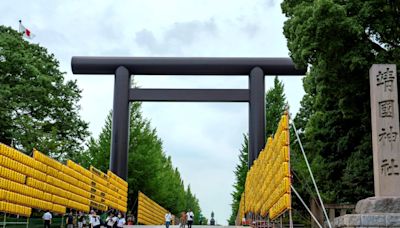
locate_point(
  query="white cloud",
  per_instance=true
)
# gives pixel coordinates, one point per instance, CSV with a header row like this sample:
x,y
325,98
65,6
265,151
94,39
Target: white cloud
x,y
202,138
176,38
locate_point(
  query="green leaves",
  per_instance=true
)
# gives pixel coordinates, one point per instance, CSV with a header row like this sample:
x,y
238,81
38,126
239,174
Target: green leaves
x,y
149,169
37,107
241,174
340,40
275,105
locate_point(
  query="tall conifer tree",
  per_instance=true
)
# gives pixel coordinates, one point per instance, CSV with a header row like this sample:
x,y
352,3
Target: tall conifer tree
x,y
149,169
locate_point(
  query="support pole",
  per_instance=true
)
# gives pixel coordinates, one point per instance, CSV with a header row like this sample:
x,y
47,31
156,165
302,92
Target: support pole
x,y
256,113
290,219
120,124
305,205
312,175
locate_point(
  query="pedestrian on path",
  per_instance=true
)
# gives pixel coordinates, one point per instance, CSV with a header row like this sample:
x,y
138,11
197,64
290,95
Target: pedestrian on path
x,y
130,220
47,219
70,220
121,220
94,220
80,219
168,217
189,217
111,220
183,220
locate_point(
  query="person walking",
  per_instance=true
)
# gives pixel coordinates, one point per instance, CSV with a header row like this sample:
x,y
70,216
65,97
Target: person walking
x,y
168,219
182,220
47,219
80,219
70,220
94,220
121,220
189,217
111,220
130,219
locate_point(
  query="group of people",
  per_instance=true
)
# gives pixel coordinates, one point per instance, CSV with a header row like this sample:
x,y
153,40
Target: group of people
x,y
117,220
186,218
113,220
80,220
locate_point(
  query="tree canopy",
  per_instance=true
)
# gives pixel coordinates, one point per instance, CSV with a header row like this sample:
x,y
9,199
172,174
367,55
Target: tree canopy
x,y
38,108
275,105
340,40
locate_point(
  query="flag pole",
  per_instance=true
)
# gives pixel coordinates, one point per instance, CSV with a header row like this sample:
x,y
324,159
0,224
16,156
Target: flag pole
x,y
19,26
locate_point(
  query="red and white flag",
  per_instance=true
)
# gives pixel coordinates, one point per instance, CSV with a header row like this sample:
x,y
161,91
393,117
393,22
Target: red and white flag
x,y
25,32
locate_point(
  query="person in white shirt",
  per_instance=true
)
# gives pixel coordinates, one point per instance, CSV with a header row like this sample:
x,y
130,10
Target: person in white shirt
x,y
189,218
111,220
47,219
94,220
121,220
168,219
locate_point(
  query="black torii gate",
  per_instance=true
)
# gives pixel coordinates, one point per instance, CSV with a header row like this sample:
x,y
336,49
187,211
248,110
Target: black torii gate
x,y
124,67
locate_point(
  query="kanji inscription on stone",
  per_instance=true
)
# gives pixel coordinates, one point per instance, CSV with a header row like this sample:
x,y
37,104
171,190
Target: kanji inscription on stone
x,y
389,168
385,78
386,108
385,129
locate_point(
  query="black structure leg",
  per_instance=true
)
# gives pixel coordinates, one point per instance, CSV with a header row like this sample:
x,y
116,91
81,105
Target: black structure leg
x,y
256,113
120,123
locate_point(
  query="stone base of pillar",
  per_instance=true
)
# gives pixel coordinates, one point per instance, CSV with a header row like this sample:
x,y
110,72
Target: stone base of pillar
x,y
372,212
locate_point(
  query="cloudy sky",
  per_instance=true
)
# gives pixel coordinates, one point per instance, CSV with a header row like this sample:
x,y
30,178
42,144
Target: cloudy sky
x,y
203,138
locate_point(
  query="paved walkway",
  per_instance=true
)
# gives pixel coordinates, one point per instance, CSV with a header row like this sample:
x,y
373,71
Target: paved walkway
x,y
176,226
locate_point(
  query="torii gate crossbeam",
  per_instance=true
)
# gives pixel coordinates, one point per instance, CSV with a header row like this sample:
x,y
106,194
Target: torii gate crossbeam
x,y
124,67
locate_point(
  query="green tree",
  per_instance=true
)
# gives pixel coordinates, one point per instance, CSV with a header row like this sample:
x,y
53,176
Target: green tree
x,y
275,105
240,179
38,108
301,177
150,170
340,40
193,203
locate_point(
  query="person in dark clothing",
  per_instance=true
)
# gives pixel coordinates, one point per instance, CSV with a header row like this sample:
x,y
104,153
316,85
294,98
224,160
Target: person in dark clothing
x,y
190,217
80,219
70,220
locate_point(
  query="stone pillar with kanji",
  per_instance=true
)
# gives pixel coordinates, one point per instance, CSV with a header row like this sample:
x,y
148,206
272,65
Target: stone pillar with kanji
x,y
385,129
383,209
